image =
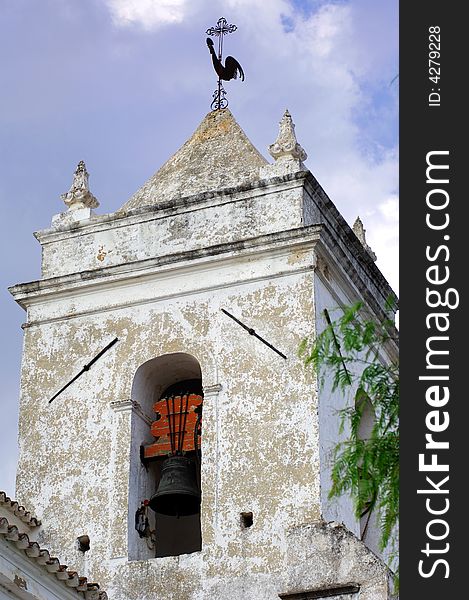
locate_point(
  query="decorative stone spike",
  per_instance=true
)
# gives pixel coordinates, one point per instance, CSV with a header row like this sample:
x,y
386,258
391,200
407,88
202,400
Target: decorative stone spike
x,y
360,232
286,146
79,195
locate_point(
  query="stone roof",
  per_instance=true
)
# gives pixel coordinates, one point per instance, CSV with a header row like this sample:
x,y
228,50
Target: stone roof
x,y
52,565
217,156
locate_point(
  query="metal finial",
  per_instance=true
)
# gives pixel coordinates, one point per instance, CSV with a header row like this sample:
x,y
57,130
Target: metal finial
x,y
230,70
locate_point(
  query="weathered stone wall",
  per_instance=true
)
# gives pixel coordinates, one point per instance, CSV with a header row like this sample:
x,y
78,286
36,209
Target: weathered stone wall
x,y
260,450
173,227
328,296
157,279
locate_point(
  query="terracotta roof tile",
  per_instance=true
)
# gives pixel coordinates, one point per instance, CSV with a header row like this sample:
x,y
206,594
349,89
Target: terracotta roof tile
x,y
18,510
88,590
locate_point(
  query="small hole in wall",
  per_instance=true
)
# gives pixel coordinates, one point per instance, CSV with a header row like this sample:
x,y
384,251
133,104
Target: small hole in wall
x,y
83,542
246,519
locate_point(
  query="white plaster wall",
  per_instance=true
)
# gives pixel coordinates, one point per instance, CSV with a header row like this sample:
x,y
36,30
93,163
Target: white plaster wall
x,y
329,295
116,239
261,444
260,436
330,403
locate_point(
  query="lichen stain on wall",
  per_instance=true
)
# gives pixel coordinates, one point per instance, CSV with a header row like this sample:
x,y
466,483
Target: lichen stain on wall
x,y
260,433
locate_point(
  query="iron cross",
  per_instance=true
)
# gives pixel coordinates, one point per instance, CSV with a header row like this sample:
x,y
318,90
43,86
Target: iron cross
x,y
230,70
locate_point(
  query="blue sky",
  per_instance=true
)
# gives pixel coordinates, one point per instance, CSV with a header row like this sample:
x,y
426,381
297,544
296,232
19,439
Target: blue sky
x,y
122,84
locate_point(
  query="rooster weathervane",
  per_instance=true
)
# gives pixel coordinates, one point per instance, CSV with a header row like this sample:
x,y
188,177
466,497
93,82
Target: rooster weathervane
x,y
230,70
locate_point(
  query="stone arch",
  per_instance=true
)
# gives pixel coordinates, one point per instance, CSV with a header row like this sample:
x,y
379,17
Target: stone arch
x,y
157,374
150,381
195,349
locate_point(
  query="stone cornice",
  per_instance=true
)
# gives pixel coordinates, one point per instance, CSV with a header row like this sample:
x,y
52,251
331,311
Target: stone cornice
x,y
354,266
172,207
351,282
274,244
351,250
354,277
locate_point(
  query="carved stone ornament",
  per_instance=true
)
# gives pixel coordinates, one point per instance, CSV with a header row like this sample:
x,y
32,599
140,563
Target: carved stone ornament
x,y
360,231
79,195
286,145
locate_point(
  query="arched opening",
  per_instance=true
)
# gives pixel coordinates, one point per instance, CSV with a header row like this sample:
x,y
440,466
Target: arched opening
x,y
167,393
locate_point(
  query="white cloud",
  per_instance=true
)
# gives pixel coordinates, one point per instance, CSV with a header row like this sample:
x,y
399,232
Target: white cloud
x,y
148,14
390,209
325,31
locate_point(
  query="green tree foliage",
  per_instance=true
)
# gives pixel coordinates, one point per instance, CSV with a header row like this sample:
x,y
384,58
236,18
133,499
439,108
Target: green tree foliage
x,y
351,350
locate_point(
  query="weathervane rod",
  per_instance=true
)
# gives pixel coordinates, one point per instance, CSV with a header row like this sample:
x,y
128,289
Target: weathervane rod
x,y
229,70
220,46
220,57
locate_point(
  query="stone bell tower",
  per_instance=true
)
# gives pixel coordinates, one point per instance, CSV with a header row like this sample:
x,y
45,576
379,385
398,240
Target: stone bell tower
x,y
159,300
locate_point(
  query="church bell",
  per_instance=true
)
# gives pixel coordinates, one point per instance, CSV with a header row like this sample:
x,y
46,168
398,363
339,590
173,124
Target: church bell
x,y
178,493
177,430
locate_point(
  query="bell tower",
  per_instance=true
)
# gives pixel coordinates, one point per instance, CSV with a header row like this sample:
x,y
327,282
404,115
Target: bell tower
x,y
193,449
